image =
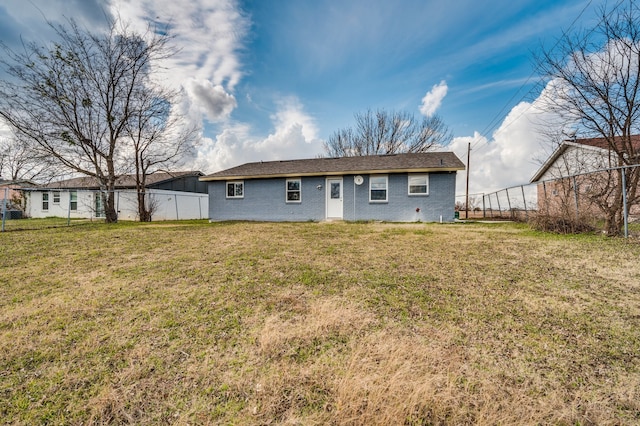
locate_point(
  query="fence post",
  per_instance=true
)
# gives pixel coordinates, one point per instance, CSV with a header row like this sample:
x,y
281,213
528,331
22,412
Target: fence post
x,y
484,208
499,208
575,196
4,207
524,200
175,197
69,209
509,203
624,204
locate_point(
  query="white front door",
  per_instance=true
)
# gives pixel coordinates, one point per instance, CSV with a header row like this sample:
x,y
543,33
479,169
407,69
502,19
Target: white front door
x,y
334,198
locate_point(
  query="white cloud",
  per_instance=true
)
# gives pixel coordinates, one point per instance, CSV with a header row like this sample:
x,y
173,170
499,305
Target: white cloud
x,y
213,101
208,35
531,131
433,99
513,154
290,113
5,130
294,137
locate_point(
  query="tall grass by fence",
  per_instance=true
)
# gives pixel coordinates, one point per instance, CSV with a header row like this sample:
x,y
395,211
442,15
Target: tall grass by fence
x,y
565,198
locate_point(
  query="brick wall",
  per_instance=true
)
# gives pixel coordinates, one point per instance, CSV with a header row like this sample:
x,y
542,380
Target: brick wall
x,y
264,199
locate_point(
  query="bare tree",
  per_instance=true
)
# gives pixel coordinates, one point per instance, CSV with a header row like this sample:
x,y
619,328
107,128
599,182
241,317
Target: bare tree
x,y
18,162
383,132
15,160
157,136
76,98
594,85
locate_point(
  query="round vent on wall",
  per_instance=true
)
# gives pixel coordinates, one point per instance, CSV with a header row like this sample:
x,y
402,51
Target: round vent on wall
x,y
358,180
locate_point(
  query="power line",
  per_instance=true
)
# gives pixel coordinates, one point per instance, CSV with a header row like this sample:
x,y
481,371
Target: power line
x,y
500,115
579,40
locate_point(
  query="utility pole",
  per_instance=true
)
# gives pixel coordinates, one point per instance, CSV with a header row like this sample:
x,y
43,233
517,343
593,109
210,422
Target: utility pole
x,y
466,204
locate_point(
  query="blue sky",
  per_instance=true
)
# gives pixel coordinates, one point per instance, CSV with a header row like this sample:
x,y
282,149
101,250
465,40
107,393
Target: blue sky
x,y
363,54
272,79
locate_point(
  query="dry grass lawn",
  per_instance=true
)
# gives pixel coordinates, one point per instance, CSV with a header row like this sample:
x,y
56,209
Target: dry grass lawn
x,y
333,323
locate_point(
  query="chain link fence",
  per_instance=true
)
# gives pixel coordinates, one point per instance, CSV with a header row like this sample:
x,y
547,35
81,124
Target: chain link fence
x,y
513,203
576,201
569,200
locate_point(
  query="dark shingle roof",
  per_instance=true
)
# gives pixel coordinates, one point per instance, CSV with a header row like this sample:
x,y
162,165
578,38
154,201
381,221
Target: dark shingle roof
x,y
122,182
418,162
16,183
602,142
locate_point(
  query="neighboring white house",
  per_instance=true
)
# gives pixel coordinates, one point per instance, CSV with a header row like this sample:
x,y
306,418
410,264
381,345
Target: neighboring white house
x,y
578,156
174,196
572,175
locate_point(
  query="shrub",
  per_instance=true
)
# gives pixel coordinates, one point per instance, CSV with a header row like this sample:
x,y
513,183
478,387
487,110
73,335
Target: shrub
x,y
562,224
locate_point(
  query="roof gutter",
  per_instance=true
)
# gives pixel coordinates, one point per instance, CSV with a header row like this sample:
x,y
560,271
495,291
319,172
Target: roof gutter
x,y
335,173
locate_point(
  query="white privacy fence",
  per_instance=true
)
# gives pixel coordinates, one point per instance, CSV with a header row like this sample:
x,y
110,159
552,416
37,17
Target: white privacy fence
x,y
77,205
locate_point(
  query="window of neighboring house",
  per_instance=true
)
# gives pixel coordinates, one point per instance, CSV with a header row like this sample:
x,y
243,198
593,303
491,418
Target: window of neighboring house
x,y
56,197
235,189
73,200
418,184
294,191
45,201
378,188
99,205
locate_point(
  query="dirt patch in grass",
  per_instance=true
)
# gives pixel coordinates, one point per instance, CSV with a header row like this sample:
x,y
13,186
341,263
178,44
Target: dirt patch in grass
x,y
359,324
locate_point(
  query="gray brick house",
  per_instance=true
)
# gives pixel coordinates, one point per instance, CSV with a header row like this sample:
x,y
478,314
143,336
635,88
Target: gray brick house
x,y
399,188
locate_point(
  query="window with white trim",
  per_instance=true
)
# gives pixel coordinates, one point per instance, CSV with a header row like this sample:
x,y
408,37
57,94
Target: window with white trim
x,y
235,189
45,201
378,188
73,200
294,190
99,204
56,197
419,184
